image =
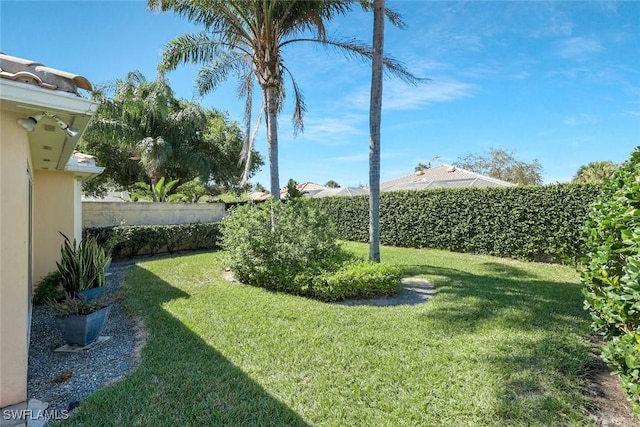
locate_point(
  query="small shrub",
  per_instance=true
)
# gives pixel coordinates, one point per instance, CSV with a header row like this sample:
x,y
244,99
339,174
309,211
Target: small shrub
x,y
612,273
360,279
47,289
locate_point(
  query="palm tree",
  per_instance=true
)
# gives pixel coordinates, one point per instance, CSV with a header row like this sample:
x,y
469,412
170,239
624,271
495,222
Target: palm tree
x,y
148,121
247,38
595,172
375,119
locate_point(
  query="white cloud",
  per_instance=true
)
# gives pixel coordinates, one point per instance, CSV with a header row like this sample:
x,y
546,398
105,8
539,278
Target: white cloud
x,y
579,47
580,119
400,96
354,158
632,113
333,130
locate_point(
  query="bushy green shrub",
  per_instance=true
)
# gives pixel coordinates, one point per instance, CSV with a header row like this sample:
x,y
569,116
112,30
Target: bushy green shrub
x,y
47,288
132,240
612,273
292,247
539,223
360,279
269,244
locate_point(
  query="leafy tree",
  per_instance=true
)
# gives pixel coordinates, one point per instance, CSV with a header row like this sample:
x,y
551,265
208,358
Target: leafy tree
x,y
150,125
595,172
158,192
422,166
247,39
332,184
502,164
259,187
189,192
292,190
142,132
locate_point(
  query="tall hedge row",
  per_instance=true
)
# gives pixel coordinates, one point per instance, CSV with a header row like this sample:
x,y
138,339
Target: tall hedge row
x,y
612,273
132,240
540,223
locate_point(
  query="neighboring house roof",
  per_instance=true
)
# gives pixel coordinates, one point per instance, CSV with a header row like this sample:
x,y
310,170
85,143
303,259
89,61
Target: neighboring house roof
x,y
30,72
259,196
309,188
444,176
341,191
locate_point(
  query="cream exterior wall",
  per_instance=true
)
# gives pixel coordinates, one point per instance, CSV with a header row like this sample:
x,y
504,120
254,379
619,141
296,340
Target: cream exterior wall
x,y
14,259
106,214
53,212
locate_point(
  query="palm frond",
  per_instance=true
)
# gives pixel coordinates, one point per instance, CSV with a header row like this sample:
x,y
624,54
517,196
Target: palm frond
x,y
353,48
299,106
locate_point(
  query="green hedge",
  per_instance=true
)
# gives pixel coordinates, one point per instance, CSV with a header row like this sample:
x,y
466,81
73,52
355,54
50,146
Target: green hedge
x,y
132,240
539,223
612,273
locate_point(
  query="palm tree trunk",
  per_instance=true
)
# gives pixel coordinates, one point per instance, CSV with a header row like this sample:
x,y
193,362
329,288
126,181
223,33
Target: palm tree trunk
x,y
271,101
375,118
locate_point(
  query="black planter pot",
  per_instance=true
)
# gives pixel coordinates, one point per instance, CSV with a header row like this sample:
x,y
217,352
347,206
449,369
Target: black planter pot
x,y
82,330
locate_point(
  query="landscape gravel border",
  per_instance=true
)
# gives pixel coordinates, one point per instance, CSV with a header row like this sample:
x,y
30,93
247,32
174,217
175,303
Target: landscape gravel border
x,y
64,380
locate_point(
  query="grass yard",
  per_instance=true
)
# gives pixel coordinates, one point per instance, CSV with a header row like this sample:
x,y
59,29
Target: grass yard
x,y
503,343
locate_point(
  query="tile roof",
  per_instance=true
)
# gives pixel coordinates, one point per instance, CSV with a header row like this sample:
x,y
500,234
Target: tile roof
x,y
445,176
30,72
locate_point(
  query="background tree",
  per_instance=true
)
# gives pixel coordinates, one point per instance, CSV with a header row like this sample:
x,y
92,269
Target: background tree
x,y
292,190
248,38
332,184
595,172
422,166
502,164
142,132
151,125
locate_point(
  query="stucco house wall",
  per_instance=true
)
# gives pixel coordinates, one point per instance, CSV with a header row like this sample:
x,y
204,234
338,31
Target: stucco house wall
x,y
54,204
14,259
42,118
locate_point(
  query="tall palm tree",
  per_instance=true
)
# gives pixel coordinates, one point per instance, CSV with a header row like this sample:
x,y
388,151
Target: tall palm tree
x,y
247,38
146,119
375,119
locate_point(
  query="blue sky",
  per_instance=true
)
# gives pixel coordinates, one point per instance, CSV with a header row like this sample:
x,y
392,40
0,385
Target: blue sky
x,y
553,81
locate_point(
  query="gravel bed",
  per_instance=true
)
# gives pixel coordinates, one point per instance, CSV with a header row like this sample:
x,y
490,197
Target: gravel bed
x,y
61,379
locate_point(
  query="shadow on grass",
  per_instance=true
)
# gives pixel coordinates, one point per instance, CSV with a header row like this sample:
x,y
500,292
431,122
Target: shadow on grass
x,y
181,380
539,369
503,292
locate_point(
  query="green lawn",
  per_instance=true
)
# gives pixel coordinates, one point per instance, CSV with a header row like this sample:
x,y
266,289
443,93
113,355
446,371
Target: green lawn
x,y
503,343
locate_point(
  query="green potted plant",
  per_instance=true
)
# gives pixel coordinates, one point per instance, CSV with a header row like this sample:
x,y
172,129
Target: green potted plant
x,y
80,314
82,267
80,321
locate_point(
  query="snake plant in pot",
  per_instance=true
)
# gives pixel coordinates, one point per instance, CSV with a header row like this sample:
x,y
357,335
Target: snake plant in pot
x,y
80,314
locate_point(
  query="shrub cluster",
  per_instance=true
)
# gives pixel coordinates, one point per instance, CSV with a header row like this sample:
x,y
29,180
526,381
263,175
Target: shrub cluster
x,y
539,223
357,279
132,240
292,247
47,289
612,273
